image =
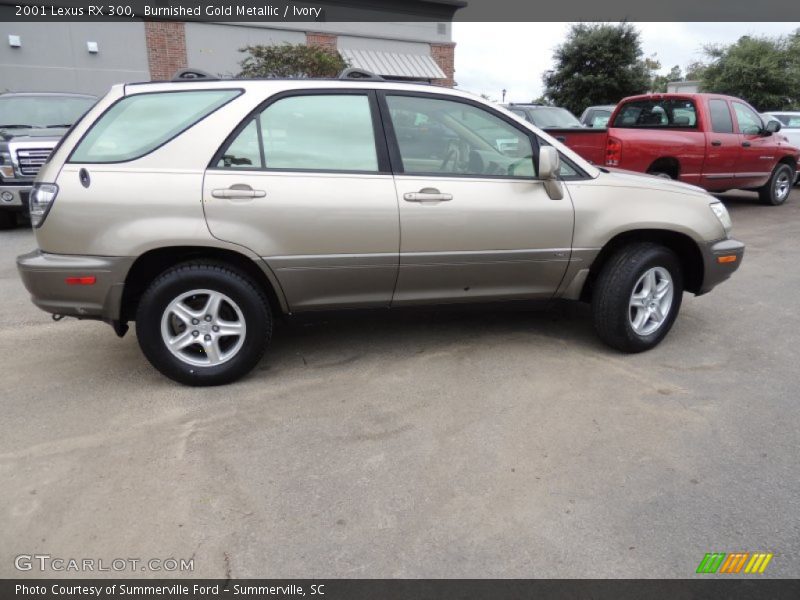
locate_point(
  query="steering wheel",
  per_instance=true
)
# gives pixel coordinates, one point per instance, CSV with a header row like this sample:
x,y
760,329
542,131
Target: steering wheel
x,y
451,155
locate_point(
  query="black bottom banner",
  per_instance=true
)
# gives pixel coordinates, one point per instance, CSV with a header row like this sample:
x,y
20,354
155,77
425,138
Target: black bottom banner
x,y
401,589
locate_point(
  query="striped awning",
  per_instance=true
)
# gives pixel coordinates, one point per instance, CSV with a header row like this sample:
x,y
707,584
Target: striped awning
x,y
393,64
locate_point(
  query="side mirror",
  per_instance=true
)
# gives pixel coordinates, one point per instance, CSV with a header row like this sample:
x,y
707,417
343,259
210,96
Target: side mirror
x,y
549,165
773,126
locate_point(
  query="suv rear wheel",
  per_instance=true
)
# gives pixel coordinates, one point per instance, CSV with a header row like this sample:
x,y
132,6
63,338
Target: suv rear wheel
x,y
637,297
778,187
203,324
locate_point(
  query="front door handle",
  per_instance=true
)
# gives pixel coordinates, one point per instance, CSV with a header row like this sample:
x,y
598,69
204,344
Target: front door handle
x,y
746,144
716,143
238,190
427,195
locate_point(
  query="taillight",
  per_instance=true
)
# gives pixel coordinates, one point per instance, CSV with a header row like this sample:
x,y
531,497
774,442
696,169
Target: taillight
x,y
41,199
613,152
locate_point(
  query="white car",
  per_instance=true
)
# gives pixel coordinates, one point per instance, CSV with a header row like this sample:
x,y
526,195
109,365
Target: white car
x,y
790,126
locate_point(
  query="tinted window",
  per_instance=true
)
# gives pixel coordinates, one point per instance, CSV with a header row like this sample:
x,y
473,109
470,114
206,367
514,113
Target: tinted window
x,y
749,121
721,121
42,111
320,132
554,117
657,113
443,137
139,124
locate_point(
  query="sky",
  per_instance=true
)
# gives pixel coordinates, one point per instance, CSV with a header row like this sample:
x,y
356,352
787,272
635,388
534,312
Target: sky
x,y
491,57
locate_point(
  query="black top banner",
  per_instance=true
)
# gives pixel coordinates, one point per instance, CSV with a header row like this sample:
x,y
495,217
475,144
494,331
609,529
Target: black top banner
x,y
401,10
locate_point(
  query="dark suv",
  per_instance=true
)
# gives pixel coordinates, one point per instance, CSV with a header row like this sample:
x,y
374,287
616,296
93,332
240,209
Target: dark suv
x,y
31,123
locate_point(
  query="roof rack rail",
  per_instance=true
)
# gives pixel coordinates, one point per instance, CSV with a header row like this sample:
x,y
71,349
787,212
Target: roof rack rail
x,y
354,73
191,74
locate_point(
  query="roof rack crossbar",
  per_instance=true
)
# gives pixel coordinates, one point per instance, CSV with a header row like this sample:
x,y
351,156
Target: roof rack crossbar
x,y
355,73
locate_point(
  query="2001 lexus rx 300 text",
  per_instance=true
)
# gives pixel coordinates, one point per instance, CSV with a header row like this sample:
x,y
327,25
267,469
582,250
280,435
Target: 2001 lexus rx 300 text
x,y
203,209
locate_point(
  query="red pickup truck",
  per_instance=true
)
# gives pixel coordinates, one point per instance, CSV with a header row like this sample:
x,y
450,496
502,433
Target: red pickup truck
x,y
712,141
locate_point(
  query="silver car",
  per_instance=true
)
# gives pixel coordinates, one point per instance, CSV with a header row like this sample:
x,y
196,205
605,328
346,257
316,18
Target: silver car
x,y
203,209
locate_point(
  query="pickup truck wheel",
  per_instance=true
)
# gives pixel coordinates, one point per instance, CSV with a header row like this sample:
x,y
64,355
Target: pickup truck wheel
x,y
203,324
778,187
8,219
660,174
637,296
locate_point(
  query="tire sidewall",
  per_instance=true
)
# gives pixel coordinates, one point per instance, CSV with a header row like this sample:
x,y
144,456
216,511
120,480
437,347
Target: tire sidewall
x,y
773,185
184,279
657,257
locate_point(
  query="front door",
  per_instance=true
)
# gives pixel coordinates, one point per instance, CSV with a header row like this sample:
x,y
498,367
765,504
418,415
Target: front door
x,y
756,155
475,222
305,183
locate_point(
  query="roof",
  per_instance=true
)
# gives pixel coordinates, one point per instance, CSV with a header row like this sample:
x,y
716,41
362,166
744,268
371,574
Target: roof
x,y
393,64
67,94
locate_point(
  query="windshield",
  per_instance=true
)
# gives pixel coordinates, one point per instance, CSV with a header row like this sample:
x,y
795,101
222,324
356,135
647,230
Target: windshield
x,y
38,112
553,117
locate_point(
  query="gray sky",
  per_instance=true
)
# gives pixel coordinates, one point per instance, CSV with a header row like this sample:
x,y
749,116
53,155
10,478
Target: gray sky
x,y
494,56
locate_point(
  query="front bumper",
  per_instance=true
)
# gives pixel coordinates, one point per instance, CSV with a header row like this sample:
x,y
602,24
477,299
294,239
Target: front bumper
x,y
15,197
44,276
715,272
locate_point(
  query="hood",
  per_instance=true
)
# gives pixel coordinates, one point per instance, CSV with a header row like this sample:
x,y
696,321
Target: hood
x,y
23,134
641,180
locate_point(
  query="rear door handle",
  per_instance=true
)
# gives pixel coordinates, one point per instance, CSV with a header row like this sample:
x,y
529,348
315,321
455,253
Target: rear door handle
x,y
746,144
716,143
427,195
238,190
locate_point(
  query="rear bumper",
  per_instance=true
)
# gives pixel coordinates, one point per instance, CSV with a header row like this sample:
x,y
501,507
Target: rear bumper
x,y
715,272
44,276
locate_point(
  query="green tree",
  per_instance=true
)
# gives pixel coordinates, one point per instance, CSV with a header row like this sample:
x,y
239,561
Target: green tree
x,y
597,64
291,61
764,71
660,82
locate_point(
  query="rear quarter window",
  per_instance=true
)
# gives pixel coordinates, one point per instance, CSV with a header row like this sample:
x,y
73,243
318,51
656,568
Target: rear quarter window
x,y
136,125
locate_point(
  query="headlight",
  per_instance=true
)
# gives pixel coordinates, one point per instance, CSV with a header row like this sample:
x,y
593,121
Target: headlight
x,y
6,167
42,197
718,208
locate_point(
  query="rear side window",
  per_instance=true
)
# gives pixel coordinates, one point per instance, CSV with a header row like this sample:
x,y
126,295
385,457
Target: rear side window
x,y
721,121
657,114
137,125
319,132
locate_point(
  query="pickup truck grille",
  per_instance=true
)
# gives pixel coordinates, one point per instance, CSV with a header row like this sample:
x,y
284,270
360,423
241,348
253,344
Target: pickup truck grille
x,y
30,160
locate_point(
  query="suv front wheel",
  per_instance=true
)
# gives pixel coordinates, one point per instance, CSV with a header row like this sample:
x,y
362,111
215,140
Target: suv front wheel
x,y
637,296
203,324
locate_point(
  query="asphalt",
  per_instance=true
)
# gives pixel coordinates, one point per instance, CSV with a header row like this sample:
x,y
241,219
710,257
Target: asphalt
x,y
490,443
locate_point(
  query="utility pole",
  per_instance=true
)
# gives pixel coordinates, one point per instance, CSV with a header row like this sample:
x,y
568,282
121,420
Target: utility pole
x,y
504,96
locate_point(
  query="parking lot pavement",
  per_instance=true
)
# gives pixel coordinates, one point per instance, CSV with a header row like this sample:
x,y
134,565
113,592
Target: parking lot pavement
x,y
425,444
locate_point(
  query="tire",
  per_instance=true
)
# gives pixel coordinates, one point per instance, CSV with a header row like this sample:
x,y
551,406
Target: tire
x,y
779,186
188,290
8,219
621,281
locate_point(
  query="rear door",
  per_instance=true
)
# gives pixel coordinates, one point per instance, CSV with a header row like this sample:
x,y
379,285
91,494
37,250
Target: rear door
x,y
722,147
756,154
305,182
476,223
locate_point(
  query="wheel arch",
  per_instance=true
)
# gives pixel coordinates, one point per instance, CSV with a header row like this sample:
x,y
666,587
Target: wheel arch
x,y
682,245
154,262
666,164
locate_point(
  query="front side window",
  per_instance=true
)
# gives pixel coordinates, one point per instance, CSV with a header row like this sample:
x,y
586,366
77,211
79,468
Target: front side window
x,y
138,124
657,114
749,121
443,137
319,132
721,121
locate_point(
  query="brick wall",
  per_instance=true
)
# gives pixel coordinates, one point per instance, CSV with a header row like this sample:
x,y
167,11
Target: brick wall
x,y
166,48
444,55
323,40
